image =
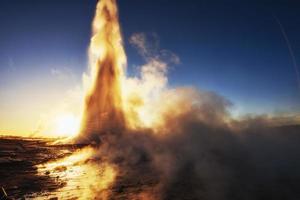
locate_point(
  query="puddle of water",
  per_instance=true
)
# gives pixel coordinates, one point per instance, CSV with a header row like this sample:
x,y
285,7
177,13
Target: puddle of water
x,y
80,177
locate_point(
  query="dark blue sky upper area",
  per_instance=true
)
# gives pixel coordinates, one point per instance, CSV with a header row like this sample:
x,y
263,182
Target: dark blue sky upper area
x,y
235,48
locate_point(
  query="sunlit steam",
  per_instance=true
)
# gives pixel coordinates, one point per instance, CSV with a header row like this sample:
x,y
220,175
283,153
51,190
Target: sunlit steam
x,y
165,143
103,104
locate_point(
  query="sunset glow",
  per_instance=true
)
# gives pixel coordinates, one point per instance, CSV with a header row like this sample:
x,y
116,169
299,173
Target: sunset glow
x,y
66,125
149,100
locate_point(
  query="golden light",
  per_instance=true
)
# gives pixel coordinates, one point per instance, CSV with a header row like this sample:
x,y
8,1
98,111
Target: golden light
x,y
86,179
103,108
113,101
66,125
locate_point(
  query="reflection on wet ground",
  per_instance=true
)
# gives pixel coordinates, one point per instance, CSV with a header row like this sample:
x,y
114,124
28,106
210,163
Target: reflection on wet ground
x,y
81,177
35,169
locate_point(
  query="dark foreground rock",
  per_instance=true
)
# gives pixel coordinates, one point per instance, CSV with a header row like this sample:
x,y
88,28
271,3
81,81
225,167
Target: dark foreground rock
x,y
19,158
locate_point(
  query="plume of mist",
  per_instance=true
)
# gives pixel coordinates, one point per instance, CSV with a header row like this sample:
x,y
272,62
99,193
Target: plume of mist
x,y
198,154
191,148
103,109
177,143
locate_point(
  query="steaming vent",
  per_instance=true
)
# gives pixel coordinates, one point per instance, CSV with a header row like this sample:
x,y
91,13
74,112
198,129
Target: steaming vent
x,y
103,112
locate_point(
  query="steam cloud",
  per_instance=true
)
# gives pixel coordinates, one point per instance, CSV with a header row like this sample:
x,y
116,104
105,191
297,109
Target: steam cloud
x,y
197,151
178,143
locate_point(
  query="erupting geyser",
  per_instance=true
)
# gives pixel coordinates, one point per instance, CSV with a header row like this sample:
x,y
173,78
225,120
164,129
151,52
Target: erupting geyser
x,y
103,112
157,141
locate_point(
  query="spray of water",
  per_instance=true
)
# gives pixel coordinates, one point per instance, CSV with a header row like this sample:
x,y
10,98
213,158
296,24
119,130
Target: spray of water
x,y
176,143
103,111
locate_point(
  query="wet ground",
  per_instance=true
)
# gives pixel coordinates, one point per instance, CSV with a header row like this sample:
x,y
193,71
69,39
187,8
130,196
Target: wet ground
x,y
257,166
21,172
33,168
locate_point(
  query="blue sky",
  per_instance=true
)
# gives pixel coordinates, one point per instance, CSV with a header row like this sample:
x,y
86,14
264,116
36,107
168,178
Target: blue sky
x,y
235,48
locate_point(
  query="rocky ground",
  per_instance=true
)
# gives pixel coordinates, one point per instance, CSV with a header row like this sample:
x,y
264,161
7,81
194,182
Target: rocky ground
x,y
19,158
23,175
251,166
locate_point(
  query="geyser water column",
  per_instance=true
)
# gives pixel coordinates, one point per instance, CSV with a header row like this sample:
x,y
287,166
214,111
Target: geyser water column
x,y
103,110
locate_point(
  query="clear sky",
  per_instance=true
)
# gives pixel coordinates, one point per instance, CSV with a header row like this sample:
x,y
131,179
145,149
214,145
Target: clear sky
x,y
235,48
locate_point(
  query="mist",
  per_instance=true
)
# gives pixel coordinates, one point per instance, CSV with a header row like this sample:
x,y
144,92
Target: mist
x,y
179,142
201,153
